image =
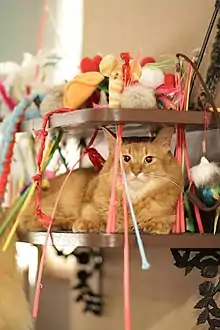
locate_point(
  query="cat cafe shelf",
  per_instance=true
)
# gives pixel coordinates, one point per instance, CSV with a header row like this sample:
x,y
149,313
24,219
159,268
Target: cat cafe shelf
x,y
193,241
82,123
86,120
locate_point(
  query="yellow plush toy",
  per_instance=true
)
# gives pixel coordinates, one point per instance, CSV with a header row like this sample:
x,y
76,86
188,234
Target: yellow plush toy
x,y
77,91
73,94
110,68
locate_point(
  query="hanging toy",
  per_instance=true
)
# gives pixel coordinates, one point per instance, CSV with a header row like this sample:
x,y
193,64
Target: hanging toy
x,y
206,177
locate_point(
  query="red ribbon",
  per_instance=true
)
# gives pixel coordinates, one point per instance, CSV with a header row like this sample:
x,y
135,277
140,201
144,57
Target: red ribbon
x,y
126,70
6,98
96,159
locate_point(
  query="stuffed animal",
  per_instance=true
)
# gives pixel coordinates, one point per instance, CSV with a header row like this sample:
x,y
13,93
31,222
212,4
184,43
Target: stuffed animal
x,y
110,68
133,94
35,75
138,97
73,94
91,65
152,88
52,100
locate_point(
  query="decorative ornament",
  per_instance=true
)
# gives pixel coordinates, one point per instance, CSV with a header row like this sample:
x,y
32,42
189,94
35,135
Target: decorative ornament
x,y
206,177
90,263
207,261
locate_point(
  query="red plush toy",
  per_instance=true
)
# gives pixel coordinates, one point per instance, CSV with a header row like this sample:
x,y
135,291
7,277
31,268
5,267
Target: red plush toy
x,y
91,65
169,80
147,60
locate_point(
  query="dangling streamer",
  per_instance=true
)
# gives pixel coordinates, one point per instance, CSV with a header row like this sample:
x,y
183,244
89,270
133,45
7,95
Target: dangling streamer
x,y
145,264
6,98
111,222
127,303
28,199
49,227
41,33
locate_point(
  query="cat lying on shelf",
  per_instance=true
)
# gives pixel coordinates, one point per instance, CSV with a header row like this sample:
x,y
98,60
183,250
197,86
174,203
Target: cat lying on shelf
x,y
155,181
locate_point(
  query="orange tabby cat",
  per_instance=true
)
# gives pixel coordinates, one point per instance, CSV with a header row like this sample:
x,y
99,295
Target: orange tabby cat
x,y
154,179
155,182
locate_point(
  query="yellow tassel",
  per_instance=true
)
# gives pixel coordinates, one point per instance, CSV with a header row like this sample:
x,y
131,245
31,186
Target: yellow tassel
x,y
28,199
45,184
216,219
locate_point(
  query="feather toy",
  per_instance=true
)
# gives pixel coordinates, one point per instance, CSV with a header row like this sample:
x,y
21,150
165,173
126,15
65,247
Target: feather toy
x,y
206,177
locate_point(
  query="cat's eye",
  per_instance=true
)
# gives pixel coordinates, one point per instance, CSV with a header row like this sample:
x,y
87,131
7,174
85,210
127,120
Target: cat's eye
x,y
126,158
148,159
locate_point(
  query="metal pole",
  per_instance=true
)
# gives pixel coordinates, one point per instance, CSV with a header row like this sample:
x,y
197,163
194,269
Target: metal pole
x,y
205,42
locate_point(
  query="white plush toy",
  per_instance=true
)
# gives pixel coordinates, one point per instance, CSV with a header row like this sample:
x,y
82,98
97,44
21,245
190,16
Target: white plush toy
x,y
151,77
26,76
35,75
138,97
142,95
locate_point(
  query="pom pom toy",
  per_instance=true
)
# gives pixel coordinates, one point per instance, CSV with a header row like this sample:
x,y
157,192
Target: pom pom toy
x,y
205,173
138,97
52,100
151,77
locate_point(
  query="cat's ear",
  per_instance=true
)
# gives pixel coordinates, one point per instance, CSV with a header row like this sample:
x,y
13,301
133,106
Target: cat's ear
x,y
164,138
110,138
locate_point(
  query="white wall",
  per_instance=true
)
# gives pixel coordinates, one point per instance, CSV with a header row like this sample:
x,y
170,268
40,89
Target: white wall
x,y
20,23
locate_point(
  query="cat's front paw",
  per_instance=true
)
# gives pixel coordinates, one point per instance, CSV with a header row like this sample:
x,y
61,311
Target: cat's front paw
x,y
158,225
82,225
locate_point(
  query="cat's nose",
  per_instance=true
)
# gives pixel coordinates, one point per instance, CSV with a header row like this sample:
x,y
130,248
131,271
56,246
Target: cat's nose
x,y
137,171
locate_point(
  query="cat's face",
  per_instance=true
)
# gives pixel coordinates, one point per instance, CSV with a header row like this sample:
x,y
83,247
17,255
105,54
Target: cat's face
x,y
140,160
147,164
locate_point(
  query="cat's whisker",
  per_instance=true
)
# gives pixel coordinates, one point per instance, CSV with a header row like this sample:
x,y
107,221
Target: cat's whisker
x,y
166,179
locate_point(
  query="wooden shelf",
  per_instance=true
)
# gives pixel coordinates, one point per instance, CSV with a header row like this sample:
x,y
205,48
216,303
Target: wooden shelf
x,y
193,241
82,122
87,119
